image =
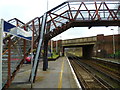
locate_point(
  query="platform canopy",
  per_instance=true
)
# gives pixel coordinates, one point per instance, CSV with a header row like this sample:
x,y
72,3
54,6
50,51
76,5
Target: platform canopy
x,y
88,0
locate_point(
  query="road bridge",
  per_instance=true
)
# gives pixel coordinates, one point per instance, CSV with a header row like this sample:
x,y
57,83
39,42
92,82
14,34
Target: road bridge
x,y
79,41
97,46
86,43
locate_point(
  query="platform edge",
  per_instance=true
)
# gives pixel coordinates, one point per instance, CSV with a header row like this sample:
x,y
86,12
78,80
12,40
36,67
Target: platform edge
x,y
74,75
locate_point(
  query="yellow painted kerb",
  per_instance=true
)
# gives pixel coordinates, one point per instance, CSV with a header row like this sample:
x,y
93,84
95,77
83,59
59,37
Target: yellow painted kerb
x,y
61,73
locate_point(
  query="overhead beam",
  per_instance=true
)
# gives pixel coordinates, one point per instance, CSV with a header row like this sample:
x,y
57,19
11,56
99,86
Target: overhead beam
x,y
87,23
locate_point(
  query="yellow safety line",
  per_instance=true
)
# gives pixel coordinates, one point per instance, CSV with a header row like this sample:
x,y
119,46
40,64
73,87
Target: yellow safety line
x,y
61,73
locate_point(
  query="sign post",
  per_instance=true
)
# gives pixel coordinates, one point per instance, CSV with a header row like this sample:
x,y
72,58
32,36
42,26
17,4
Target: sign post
x,y
1,44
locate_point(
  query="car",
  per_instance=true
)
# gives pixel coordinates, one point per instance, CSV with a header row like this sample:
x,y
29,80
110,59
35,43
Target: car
x,y
28,59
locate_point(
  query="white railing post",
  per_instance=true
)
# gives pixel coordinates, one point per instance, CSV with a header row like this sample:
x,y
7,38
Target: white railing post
x,y
1,44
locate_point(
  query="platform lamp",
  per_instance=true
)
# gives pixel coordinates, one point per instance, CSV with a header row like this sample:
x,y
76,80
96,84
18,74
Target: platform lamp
x,y
60,52
113,43
56,46
51,44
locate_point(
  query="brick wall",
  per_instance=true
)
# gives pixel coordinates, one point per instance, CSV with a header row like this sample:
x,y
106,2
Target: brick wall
x,y
102,48
104,45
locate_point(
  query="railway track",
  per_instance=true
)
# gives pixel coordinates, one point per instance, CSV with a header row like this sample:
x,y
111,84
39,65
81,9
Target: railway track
x,y
87,80
110,77
115,75
113,67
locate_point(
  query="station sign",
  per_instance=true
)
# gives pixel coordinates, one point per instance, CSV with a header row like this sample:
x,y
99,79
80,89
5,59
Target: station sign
x,y
17,31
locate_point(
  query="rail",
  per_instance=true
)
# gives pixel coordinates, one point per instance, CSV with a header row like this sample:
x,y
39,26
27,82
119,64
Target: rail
x,y
104,71
87,80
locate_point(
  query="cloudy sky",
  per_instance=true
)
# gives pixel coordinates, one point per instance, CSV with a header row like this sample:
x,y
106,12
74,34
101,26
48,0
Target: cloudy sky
x,y
26,10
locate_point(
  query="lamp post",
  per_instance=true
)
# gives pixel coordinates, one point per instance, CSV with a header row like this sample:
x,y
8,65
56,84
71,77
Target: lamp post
x,y
113,43
56,46
51,44
60,47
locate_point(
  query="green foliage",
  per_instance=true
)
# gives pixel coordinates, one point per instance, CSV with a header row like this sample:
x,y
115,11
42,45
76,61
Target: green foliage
x,y
54,56
117,55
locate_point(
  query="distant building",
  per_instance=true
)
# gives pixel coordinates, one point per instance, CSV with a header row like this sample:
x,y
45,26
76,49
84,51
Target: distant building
x,y
102,46
105,45
53,45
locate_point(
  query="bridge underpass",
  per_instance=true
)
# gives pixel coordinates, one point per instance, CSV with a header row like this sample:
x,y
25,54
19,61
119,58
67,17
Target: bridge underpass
x,y
86,43
86,51
61,18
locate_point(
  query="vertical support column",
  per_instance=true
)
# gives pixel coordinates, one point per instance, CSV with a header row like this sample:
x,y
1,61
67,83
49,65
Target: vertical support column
x,y
36,60
1,43
63,51
39,27
33,33
32,46
24,48
51,44
9,62
45,60
56,46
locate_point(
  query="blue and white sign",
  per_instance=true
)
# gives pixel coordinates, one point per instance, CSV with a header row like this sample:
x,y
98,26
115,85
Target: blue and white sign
x,y
16,31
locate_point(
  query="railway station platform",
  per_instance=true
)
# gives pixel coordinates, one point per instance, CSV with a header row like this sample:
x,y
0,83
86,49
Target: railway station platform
x,y
117,61
59,75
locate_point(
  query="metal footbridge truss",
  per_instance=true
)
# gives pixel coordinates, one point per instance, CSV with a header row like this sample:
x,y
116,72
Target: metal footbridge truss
x,y
52,23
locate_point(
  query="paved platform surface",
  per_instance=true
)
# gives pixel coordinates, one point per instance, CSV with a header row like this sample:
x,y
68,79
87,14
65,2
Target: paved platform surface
x,y
117,61
58,75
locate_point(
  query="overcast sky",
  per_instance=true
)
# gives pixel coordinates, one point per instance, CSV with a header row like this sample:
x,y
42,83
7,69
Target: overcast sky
x,y
26,10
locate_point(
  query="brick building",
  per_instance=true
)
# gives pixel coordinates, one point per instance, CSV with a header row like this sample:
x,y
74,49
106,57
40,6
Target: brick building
x,y
104,46
56,46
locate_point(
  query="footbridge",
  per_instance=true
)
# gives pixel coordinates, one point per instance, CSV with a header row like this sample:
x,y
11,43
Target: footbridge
x,y
53,22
